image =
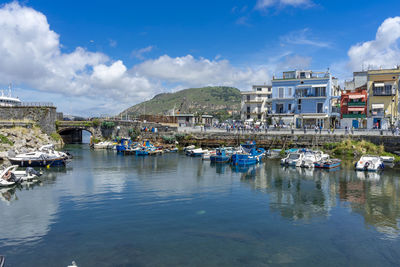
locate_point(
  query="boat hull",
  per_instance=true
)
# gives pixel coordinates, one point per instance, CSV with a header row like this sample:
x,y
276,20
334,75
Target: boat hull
x,y
38,163
327,165
220,159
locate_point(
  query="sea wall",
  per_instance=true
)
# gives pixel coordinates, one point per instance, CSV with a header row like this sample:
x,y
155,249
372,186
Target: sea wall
x,y
44,117
391,143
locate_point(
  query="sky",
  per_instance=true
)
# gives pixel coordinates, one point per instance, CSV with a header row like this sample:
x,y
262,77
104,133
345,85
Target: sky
x,y
96,58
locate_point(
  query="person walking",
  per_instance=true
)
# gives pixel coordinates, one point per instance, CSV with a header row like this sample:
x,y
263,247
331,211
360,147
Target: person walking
x,y
305,129
320,129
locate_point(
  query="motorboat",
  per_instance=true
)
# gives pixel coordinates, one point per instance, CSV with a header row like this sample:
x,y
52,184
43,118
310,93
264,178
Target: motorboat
x,y
369,163
328,164
293,159
311,157
103,145
124,144
198,152
248,154
387,159
221,156
207,155
45,156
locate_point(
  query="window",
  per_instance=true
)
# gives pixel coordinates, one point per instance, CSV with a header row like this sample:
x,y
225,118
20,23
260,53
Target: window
x,y
289,107
248,116
388,89
320,91
259,96
248,98
248,109
299,105
289,92
259,116
302,75
269,89
320,107
279,108
281,90
259,108
259,89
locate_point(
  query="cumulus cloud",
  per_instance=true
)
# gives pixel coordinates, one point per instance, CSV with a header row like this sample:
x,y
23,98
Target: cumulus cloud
x,y
263,4
382,52
31,54
199,72
32,57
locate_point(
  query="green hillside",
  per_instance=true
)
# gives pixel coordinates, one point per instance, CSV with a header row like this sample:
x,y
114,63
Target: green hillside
x,y
207,100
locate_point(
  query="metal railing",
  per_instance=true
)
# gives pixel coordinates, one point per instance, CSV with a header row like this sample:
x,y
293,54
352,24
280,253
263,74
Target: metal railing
x,y
36,104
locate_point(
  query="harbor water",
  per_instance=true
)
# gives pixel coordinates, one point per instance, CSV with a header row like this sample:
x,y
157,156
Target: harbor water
x,y
105,209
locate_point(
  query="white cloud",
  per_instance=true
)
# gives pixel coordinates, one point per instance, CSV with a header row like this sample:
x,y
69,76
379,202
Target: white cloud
x,y
31,54
140,52
193,72
382,52
303,37
264,4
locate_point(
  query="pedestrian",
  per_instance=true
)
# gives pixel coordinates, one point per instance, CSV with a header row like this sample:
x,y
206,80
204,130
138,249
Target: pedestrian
x,y
305,129
316,129
352,130
320,129
346,130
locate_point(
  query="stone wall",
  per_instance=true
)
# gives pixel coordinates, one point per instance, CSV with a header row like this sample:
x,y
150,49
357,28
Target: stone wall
x,y
44,117
391,143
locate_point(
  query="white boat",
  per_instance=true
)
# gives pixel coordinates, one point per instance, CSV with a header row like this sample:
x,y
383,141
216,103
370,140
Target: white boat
x,y
103,145
293,159
207,155
387,159
29,174
8,100
369,163
311,157
46,155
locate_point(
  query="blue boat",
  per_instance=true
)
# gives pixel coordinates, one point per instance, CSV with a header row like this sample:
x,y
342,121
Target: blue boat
x,y
250,154
124,145
220,156
328,164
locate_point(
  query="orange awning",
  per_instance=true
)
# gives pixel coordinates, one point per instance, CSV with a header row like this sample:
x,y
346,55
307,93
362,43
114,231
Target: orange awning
x,y
356,109
356,96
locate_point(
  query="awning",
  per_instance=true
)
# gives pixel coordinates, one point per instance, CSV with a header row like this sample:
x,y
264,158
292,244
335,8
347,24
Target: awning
x,y
316,116
304,85
356,109
378,106
379,84
356,96
319,85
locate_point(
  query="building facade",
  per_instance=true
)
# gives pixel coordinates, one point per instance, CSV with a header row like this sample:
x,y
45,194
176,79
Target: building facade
x,y
354,102
383,98
255,104
305,98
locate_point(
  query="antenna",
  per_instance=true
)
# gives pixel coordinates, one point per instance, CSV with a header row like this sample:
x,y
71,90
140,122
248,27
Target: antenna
x,y
9,90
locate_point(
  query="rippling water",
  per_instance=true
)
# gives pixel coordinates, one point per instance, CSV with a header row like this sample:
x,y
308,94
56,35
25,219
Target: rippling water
x,y
109,210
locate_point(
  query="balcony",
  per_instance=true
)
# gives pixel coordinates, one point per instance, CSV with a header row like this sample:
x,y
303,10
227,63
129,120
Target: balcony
x,y
379,92
254,101
356,104
355,116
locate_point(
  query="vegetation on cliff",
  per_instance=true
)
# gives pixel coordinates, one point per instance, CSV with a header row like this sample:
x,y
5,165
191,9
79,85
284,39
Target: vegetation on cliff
x,y
207,100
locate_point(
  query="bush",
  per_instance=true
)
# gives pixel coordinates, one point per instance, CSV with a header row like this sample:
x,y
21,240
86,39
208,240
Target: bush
x,y
5,140
179,136
55,136
107,125
133,133
168,139
95,122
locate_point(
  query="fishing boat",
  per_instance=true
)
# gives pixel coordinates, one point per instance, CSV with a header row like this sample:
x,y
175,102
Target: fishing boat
x,y
123,145
198,152
328,164
248,154
220,156
45,156
369,163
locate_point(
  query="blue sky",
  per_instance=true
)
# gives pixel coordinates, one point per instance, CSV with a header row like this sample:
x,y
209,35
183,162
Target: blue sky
x,y
99,57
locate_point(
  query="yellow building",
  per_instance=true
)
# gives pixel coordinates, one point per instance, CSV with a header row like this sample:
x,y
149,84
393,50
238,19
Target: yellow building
x,y
383,97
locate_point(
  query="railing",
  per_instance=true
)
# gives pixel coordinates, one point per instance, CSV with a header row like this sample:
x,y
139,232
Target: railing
x,y
354,115
36,104
380,92
353,104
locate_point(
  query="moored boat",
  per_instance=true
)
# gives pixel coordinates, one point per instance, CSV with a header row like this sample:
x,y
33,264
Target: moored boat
x,y
45,156
369,163
220,156
248,155
328,164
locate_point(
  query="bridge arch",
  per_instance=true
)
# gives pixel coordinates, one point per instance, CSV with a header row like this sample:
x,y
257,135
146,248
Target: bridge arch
x,y
73,135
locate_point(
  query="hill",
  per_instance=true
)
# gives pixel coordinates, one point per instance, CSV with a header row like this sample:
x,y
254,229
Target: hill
x,y
207,100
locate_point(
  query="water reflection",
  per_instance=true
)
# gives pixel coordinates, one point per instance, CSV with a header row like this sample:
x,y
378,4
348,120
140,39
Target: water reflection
x,y
305,194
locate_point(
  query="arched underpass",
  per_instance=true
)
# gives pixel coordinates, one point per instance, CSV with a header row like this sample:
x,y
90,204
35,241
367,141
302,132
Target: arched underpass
x,y
73,135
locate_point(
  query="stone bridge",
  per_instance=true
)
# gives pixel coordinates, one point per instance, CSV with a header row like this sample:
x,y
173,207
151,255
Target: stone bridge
x,y
71,131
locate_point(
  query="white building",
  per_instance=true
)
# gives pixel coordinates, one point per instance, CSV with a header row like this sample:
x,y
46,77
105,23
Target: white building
x,y
255,103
